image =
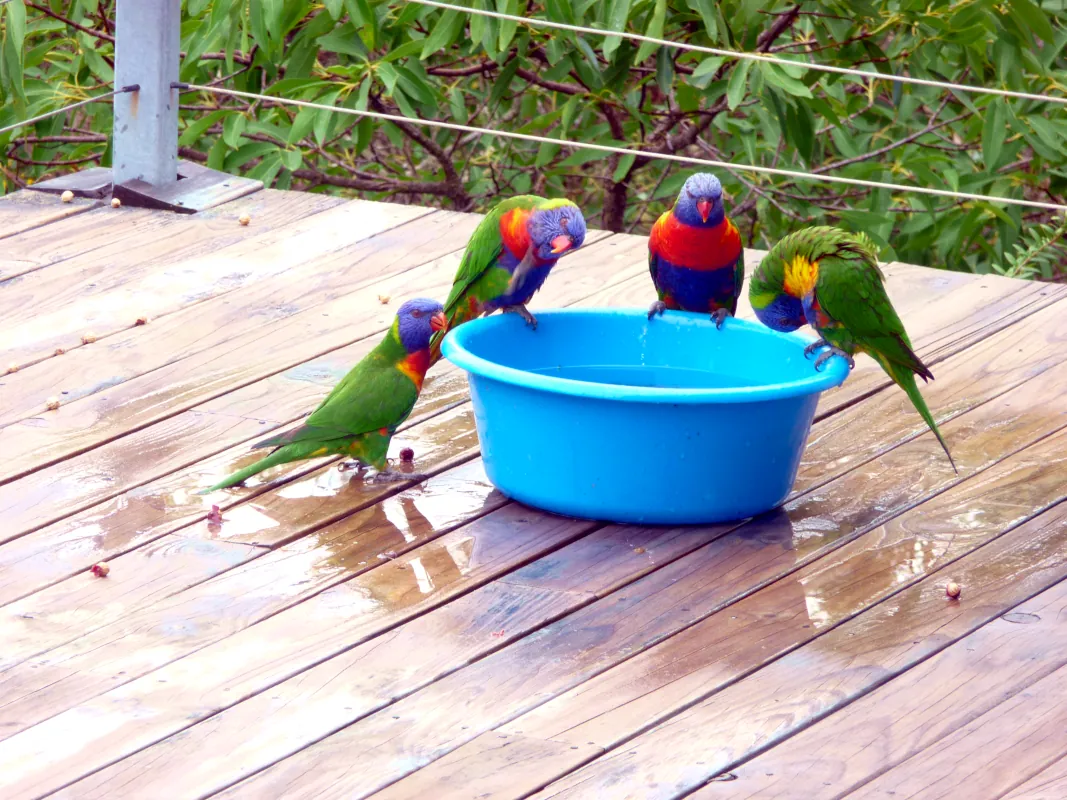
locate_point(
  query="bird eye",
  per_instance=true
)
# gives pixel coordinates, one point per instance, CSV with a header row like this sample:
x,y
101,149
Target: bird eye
x,y
563,222
416,313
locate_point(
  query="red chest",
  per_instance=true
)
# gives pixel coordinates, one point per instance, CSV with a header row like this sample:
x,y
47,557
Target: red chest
x,y
695,248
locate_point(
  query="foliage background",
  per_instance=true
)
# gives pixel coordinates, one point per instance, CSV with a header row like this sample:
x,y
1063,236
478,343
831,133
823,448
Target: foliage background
x,y
397,56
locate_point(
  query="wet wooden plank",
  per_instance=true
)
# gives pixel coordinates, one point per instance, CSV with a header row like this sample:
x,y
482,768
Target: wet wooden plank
x,y
318,498
233,363
773,622
994,754
369,677
928,702
26,210
708,587
170,503
337,252
48,755
127,462
1049,784
84,603
163,264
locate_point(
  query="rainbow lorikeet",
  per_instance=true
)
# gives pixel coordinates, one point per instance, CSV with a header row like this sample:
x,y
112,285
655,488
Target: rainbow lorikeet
x,y
508,258
362,412
694,253
830,278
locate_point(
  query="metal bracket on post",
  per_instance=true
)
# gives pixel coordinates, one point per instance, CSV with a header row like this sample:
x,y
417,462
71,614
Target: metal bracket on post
x,y
146,171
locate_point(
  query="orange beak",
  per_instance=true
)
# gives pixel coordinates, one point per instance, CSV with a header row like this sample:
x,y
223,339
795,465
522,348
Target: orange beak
x,y
561,244
439,322
704,207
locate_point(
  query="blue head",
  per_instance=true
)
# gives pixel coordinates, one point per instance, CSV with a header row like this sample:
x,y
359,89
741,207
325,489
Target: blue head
x,y
700,201
555,228
417,320
784,313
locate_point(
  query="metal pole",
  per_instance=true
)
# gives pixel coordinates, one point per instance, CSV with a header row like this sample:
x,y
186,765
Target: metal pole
x,y
147,53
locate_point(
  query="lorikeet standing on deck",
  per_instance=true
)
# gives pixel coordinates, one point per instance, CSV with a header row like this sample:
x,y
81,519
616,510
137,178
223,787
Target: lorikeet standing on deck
x,y
508,258
833,278
694,253
359,417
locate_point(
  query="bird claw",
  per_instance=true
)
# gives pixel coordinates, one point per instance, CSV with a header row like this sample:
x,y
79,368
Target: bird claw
x,y
811,348
522,311
657,309
834,351
388,476
718,316
350,464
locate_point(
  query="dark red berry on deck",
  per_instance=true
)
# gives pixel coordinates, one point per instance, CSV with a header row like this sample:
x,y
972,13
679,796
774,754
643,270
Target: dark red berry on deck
x,y
407,455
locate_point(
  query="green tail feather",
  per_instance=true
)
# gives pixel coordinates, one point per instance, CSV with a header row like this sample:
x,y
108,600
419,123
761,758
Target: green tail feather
x,y
283,455
906,381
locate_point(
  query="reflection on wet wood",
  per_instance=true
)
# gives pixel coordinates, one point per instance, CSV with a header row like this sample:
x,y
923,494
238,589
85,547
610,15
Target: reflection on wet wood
x,y
360,682
622,701
329,637
790,612
925,704
65,746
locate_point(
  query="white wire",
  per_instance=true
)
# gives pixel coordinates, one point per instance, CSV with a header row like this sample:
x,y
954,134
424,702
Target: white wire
x,y
714,51
701,162
65,109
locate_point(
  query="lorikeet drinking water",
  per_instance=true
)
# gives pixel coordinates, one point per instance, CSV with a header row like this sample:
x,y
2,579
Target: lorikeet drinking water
x,y
508,258
359,417
694,253
830,278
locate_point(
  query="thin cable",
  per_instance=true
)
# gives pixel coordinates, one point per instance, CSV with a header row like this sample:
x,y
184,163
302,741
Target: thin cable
x,y
131,88
702,162
714,51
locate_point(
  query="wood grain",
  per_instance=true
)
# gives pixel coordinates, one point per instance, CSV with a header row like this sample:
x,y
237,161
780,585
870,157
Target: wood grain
x,y
775,621
234,363
167,504
137,714
927,703
151,273
683,594
993,754
1049,784
369,677
335,252
26,210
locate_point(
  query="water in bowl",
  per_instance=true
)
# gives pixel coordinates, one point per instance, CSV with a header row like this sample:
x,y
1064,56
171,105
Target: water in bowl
x,y
659,377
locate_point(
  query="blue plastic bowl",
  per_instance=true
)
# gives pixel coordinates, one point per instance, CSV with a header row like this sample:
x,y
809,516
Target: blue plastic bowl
x,y
604,415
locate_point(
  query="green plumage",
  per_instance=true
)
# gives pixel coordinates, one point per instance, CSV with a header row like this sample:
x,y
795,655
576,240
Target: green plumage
x,y
481,278
848,304
357,419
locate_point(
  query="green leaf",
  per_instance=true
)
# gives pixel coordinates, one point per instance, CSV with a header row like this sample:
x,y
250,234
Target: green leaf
x,y
443,34
664,70
735,89
292,159
323,119
776,76
705,71
654,30
994,132
625,162
618,14
232,129
337,41
334,8
706,9
196,129
1031,16
507,26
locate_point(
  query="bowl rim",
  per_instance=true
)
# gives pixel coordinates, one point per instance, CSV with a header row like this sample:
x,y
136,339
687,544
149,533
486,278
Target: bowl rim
x,y
454,348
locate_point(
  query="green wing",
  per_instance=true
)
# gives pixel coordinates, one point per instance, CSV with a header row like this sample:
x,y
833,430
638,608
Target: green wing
x,y
373,395
851,291
484,248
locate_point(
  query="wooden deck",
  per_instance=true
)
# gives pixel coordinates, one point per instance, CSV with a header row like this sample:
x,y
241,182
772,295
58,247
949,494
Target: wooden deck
x,y
334,640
